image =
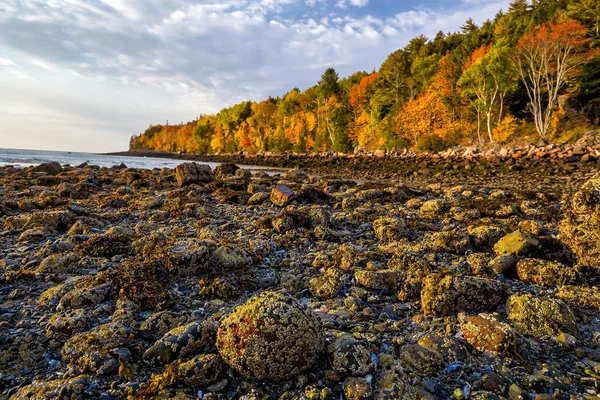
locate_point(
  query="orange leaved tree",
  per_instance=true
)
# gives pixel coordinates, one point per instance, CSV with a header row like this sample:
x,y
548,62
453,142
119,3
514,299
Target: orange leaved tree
x,y
543,60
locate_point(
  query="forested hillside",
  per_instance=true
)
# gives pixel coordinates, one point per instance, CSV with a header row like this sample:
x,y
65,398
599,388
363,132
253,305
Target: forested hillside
x,y
530,74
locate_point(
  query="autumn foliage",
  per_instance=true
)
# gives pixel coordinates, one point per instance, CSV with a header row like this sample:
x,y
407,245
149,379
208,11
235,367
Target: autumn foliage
x,y
483,84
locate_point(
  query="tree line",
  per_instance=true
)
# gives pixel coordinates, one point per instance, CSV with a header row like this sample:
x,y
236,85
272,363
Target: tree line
x,y
531,73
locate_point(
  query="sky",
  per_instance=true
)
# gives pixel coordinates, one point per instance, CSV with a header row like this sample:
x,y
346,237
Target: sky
x,y
84,75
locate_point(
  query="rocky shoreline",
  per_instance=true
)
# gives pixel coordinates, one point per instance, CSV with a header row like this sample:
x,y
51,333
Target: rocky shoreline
x,y
585,153
449,276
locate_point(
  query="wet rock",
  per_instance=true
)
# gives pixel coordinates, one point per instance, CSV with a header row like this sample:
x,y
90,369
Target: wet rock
x,y
348,257
188,173
447,242
258,198
433,208
447,295
580,226
296,175
517,244
349,357
414,271
485,333
357,389
51,221
271,336
86,296
328,284
163,321
390,229
580,296
189,257
199,372
231,259
503,265
91,351
540,316
393,384
421,358
281,195
75,388
485,236
546,273
50,168
195,337
380,280
448,346
65,263
225,169
68,322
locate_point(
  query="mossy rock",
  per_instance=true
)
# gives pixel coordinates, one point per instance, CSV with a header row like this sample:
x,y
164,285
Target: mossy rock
x,y
580,227
541,316
517,244
271,336
447,295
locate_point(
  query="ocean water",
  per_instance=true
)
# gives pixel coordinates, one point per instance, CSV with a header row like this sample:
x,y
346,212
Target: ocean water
x,y
27,158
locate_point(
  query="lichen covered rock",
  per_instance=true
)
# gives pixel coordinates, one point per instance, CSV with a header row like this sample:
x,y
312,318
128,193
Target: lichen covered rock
x,y
190,172
181,341
580,296
516,244
580,226
447,295
390,229
271,336
546,273
328,284
541,316
485,333
349,357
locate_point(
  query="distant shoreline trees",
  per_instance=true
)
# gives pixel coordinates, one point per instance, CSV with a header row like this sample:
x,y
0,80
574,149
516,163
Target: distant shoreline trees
x,y
483,84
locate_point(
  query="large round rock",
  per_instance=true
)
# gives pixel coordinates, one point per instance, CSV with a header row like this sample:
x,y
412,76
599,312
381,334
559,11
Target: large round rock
x,y
271,336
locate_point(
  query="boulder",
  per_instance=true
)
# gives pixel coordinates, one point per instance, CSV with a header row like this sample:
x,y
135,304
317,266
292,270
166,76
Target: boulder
x,y
545,273
516,244
271,336
49,168
447,295
390,229
540,316
580,296
485,333
580,227
190,172
225,169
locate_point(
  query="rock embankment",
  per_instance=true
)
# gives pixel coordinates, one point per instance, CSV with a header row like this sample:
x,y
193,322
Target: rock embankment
x,y
226,284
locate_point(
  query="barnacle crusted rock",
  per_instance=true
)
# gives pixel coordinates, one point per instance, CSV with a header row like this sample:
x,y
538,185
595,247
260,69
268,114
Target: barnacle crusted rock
x,y
271,336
